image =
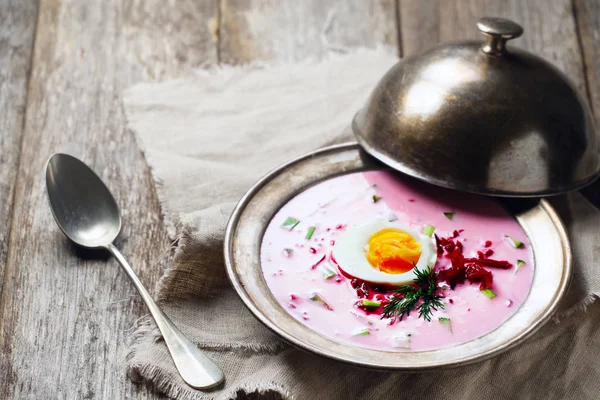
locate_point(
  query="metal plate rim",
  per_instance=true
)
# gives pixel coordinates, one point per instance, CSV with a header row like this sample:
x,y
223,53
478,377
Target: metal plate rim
x,y
240,290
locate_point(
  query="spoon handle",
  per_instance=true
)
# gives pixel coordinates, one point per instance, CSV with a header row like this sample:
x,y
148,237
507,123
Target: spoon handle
x,y
195,368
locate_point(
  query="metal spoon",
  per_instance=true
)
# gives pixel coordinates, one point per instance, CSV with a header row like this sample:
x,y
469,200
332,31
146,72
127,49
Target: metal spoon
x,y
87,213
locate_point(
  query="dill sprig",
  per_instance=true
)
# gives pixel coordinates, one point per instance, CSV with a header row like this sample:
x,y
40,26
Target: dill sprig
x,y
423,295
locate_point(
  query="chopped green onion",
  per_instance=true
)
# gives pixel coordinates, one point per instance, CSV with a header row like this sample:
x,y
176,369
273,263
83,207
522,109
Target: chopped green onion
x,y
290,223
317,298
328,274
489,293
370,303
287,252
520,263
310,232
361,332
446,322
516,243
449,214
428,230
376,198
392,218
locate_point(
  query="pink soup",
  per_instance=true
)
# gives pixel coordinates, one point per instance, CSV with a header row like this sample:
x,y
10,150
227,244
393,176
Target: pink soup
x,y
297,262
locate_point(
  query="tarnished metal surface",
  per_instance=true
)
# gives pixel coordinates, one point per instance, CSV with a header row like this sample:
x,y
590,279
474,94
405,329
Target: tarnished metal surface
x,y
482,118
252,215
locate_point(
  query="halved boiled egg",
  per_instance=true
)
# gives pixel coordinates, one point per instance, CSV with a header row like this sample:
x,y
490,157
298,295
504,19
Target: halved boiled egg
x,y
383,252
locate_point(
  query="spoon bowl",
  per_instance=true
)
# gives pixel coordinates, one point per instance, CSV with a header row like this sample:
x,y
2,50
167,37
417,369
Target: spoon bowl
x,y
88,214
83,207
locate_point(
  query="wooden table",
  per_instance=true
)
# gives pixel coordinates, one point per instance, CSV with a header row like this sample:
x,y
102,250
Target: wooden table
x,y
65,319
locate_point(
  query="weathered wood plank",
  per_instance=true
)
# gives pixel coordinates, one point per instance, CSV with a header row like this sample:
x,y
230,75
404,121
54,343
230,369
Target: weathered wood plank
x,y
65,318
587,16
295,30
16,47
549,25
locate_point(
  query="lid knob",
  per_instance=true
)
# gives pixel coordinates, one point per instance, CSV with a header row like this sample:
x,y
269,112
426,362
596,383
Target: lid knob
x,y
498,31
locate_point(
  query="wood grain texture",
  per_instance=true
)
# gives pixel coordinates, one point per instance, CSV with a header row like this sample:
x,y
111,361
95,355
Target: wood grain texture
x,y
550,29
16,47
296,30
587,16
65,318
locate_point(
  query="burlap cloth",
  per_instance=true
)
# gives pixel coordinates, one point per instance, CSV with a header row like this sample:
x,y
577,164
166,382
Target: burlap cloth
x,y
207,139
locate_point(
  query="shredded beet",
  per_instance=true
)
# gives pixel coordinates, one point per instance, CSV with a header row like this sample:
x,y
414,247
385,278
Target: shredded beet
x,y
462,268
369,291
456,273
318,262
476,273
438,245
488,262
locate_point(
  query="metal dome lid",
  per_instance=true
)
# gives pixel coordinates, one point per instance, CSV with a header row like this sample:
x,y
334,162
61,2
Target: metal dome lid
x,y
482,118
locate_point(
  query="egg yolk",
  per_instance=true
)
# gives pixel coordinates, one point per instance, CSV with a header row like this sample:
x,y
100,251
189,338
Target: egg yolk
x,y
393,251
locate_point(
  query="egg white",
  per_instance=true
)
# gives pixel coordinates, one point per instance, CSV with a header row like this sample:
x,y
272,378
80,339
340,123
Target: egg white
x,y
350,253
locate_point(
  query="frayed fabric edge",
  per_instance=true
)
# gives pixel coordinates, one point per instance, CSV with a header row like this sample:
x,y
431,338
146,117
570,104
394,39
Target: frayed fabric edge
x,y
162,383
580,306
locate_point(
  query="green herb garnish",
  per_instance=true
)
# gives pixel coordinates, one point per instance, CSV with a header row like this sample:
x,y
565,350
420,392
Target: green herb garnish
x,y
449,214
290,223
376,198
392,218
370,303
428,230
518,244
446,322
316,297
520,263
328,274
489,293
422,295
361,332
310,232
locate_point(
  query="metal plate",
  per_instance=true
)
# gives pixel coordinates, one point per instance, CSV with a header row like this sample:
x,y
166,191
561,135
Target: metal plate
x,y
250,218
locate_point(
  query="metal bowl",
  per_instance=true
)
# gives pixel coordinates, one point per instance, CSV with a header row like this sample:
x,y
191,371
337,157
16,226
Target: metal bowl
x,y
482,118
250,218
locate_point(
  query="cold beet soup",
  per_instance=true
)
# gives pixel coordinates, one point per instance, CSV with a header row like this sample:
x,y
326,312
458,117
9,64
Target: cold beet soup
x,y
373,260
